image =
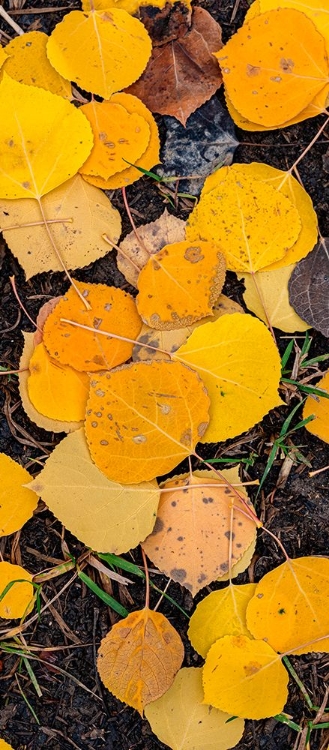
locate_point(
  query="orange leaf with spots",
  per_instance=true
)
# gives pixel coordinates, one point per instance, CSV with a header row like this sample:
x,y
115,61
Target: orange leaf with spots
x,y
139,657
110,310
180,284
18,600
143,419
56,391
200,531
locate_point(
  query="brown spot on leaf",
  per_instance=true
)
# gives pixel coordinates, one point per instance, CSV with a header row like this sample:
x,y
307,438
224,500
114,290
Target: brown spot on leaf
x,y
178,574
252,70
287,65
193,254
252,668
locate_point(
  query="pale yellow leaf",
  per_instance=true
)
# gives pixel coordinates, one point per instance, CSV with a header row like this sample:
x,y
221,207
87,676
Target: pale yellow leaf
x,y
220,613
182,721
16,502
267,296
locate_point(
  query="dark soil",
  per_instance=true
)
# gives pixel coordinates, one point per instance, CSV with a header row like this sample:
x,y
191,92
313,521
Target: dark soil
x,y
70,714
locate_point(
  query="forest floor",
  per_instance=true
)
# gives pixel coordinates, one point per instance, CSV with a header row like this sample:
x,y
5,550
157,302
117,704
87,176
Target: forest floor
x,y
74,710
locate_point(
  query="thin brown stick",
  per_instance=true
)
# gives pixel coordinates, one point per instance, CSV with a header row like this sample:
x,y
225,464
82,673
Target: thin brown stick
x,y
147,581
13,24
13,286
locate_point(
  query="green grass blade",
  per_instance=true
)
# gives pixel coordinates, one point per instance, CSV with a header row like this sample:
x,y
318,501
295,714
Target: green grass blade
x,y
287,353
32,677
287,421
120,562
315,360
106,598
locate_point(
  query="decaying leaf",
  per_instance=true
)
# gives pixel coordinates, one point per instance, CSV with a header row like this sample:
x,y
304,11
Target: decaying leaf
x,y
320,408
183,74
18,600
111,309
154,344
148,159
309,288
56,391
44,140
252,223
101,51
144,418
182,721
139,657
200,532
28,63
267,296
237,675
86,215
51,425
16,502
104,515
274,66
165,21
118,137
165,230
190,277
220,613
240,366
41,318
290,607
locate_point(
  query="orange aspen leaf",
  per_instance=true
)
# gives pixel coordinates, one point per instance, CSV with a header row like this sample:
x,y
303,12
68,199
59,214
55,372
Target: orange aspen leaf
x,y
102,51
56,391
139,657
190,278
311,8
44,140
28,63
111,309
16,502
18,601
143,419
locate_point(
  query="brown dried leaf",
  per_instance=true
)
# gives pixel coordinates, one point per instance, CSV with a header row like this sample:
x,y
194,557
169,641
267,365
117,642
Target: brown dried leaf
x,y
309,288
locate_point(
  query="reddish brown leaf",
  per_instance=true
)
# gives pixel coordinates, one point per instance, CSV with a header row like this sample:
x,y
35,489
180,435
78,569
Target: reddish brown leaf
x,y
183,74
167,23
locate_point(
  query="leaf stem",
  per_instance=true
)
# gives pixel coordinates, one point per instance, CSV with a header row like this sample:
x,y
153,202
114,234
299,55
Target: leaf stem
x,y
147,581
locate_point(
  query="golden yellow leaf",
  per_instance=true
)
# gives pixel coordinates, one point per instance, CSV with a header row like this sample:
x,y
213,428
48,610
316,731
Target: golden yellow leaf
x,y
144,418
3,57
110,310
220,613
139,657
245,677
200,532
102,51
18,600
290,608
52,425
131,6
4,745
252,223
190,277
267,296
169,341
253,11
87,214
44,140
104,515
317,12
320,408
28,63
147,160
240,366
118,137
152,237
56,391
16,502
182,721
274,66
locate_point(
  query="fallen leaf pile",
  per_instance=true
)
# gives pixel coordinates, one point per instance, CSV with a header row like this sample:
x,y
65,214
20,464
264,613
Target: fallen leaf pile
x,y
136,383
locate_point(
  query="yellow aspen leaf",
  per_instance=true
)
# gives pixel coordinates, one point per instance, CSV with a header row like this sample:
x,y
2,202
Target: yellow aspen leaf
x,y
16,502
182,721
52,425
131,6
44,140
190,515
313,109
147,160
110,310
240,366
253,11
152,237
267,296
118,137
290,607
139,657
18,600
144,418
190,277
102,51
56,391
3,57
245,677
87,214
252,223
28,63
164,341
274,66
4,745
312,8
220,613
104,515
320,408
